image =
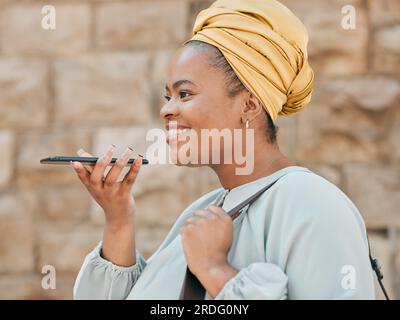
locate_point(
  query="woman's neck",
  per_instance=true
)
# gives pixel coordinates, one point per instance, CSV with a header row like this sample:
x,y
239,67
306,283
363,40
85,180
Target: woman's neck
x,y
266,161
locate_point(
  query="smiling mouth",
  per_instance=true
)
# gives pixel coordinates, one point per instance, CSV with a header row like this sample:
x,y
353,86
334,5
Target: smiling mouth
x,y
174,134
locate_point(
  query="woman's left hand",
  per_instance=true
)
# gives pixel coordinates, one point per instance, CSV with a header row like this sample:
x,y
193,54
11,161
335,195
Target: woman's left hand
x,y
206,239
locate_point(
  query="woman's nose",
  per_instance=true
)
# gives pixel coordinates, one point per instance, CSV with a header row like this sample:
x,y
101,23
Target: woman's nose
x,y
170,109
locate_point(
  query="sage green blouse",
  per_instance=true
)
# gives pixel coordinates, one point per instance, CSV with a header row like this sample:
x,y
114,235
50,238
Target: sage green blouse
x,y
301,239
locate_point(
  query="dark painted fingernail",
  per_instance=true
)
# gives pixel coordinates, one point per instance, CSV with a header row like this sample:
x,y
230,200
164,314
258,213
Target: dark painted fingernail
x,y
113,145
130,148
140,155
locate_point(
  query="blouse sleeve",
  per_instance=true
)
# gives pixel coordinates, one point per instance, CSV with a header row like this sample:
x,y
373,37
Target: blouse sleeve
x,y
101,279
259,280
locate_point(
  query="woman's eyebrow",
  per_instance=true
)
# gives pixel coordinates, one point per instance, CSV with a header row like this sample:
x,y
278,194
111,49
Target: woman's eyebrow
x,y
178,83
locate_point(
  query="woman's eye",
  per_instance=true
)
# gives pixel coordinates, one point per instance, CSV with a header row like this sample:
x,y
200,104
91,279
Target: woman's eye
x,y
167,97
184,94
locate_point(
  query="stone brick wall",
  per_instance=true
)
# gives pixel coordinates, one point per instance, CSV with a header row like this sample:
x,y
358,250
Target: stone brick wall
x,y
98,79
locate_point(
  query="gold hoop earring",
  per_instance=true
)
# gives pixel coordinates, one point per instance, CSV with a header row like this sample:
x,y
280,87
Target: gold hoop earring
x,y
247,124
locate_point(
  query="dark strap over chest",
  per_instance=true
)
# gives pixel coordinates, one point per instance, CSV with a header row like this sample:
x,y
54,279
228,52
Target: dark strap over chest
x,y
192,289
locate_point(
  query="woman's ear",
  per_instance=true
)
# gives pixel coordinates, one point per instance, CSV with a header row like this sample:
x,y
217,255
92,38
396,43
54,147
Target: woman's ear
x,y
252,107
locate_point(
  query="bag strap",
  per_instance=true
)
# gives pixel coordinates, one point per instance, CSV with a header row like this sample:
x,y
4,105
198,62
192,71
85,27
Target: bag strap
x,y
377,269
192,289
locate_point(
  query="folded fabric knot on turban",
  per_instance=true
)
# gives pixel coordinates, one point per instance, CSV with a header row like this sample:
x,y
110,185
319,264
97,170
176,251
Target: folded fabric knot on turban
x,y
266,45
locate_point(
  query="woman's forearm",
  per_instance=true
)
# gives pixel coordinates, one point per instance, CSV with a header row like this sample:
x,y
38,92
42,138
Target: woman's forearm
x,y
119,244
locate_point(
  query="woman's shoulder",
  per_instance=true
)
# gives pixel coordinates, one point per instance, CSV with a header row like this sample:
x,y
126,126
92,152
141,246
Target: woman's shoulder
x,y
306,184
307,193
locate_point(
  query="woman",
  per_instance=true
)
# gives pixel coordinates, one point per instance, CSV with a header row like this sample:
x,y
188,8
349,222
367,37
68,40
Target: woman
x,y
301,239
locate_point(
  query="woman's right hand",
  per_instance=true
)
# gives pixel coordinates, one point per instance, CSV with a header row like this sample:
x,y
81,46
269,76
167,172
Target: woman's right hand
x,y
115,197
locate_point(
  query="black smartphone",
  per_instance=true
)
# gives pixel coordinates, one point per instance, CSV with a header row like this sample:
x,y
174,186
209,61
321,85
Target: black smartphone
x,y
84,160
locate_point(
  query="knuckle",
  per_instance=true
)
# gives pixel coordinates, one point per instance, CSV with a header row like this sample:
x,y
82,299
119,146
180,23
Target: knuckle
x,y
189,226
134,170
197,224
130,179
189,220
108,183
200,212
209,215
216,209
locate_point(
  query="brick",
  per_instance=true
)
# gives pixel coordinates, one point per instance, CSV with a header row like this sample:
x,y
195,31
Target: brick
x,y
23,32
139,25
19,286
335,130
34,146
159,66
16,232
332,49
330,173
393,143
24,93
375,190
102,89
66,248
53,203
27,286
6,157
386,50
375,93
384,12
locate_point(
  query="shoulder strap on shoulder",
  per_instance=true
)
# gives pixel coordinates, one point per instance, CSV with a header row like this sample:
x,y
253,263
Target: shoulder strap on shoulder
x,y
377,269
234,212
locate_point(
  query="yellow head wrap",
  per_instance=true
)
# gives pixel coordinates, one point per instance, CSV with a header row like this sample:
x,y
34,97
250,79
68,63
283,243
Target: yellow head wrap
x,y
266,45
